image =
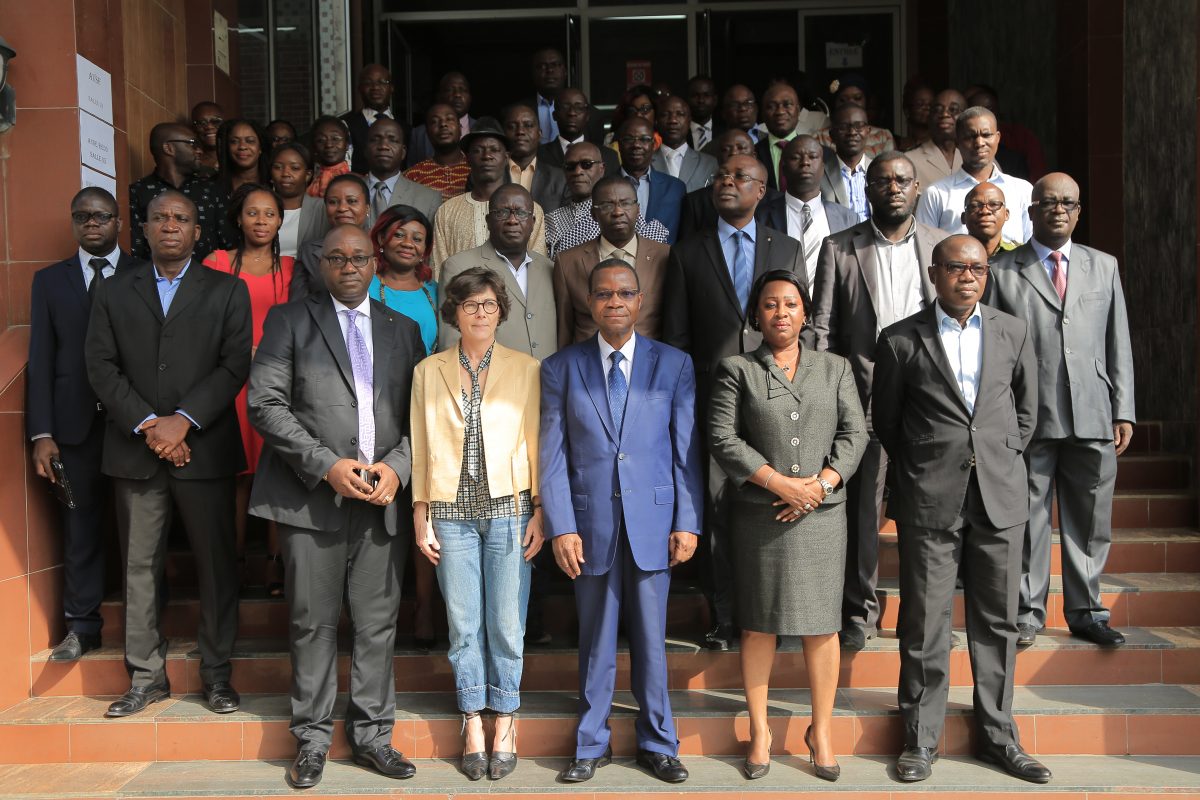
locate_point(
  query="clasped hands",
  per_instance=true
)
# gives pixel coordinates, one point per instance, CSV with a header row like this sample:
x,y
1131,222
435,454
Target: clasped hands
x,y
799,496
165,437
345,479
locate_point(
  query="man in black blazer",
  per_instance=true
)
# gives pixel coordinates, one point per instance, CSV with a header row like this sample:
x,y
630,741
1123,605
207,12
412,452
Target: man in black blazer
x,y
168,349
375,91
550,77
699,213
709,275
62,416
545,182
573,113
329,392
960,380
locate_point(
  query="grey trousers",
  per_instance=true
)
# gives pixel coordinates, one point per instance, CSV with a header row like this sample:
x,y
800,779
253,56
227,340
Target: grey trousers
x,y
366,564
864,496
1083,474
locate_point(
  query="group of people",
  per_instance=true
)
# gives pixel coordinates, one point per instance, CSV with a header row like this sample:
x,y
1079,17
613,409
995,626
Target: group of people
x,y
686,338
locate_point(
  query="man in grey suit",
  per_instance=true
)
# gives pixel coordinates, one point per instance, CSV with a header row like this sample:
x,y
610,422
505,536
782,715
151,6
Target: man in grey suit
x,y
1071,297
845,180
329,392
868,277
675,156
961,383
387,187
531,326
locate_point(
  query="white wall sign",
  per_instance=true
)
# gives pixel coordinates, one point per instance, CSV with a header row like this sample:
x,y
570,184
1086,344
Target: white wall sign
x,y
221,42
95,89
96,144
90,177
839,55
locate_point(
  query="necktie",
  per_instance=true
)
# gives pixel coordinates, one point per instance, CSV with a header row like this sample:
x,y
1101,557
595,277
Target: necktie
x,y
1058,275
379,200
621,254
674,163
743,267
97,265
701,136
360,365
618,390
782,145
808,234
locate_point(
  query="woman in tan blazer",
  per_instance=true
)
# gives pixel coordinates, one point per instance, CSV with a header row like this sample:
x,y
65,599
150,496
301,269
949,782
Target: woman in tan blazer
x,y
476,511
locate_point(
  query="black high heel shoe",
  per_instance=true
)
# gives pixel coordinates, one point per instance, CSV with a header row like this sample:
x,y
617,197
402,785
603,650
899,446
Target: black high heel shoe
x,y
474,765
824,773
505,761
275,575
754,771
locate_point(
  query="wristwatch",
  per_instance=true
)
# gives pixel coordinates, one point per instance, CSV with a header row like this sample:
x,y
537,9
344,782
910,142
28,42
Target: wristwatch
x,y
825,485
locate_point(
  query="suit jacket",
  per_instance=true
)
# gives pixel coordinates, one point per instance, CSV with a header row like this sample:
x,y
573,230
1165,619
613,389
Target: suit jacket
x,y
699,214
60,399
772,210
301,399
357,124
666,197
508,416
701,314
1084,355
833,186
531,324
411,193
314,222
549,188
552,154
593,132
843,317
419,146
929,435
571,271
194,359
718,128
930,165
696,172
762,151
594,477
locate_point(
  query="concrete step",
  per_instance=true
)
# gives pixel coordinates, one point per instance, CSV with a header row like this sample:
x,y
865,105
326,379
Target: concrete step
x,y
1151,656
1064,720
863,778
1153,471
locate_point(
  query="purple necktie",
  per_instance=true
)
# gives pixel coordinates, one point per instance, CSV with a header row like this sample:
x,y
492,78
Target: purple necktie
x,y
360,363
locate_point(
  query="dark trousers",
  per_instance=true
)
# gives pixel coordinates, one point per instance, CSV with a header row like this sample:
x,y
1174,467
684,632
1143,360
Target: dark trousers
x,y
929,563
143,515
601,600
366,564
83,533
864,496
717,544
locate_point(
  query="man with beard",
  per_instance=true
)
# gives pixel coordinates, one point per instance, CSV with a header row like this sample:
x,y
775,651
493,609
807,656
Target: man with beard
x,y
543,181
446,170
845,179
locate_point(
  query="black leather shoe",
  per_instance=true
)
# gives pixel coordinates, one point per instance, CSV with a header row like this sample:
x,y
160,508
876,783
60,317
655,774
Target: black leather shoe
x,y
74,645
720,637
137,698
306,770
1026,635
915,764
854,638
221,697
582,769
1016,762
665,768
386,760
1099,633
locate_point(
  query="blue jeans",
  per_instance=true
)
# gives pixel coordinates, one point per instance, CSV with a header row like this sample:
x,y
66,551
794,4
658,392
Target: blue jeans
x,y
485,581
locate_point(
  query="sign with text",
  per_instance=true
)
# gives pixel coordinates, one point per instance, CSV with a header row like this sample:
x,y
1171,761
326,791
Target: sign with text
x,y
89,177
839,55
95,89
638,72
97,148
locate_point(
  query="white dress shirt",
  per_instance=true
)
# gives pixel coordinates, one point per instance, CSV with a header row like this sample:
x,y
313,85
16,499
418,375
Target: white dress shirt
x,y
897,278
370,115
964,350
1043,254
520,272
364,395
942,203
701,133
289,232
564,143
85,258
607,350
816,233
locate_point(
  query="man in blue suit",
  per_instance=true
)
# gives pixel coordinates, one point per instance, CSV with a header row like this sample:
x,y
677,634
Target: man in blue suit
x,y
659,195
621,509
63,417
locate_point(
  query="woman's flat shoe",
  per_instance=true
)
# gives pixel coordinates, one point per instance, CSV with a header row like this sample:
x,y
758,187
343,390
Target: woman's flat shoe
x,y
824,773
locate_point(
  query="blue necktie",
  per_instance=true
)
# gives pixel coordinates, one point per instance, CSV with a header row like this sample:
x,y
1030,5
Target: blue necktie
x,y
743,267
618,390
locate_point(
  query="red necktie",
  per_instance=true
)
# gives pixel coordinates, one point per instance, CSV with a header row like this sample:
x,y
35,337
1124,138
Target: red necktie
x,y
782,145
1058,275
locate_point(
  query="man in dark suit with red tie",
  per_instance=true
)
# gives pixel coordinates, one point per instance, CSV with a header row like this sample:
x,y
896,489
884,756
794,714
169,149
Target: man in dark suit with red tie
x,y
63,418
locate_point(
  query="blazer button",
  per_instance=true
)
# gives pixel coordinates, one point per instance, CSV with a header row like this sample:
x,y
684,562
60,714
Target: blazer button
x,y
354,404
974,428
795,441
1067,350
617,495
620,456
1066,321
795,468
529,316
795,415
162,367
354,440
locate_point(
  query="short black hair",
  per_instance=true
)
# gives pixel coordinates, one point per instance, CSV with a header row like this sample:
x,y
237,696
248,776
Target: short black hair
x,y
612,263
473,281
768,277
172,194
883,158
349,177
297,148
613,180
96,193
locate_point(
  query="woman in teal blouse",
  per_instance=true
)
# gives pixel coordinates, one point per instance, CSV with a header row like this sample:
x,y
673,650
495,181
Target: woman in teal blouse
x,y
403,238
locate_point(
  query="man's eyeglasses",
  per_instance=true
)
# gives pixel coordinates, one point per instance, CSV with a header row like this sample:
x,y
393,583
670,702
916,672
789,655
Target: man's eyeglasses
x,y
956,268
472,306
882,184
625,295
572,108
188,142
741,105
84,217
208,122
737,177
1051,203
583,163
502,214
607,207
339,261
630,141
977,206
847,127
378,82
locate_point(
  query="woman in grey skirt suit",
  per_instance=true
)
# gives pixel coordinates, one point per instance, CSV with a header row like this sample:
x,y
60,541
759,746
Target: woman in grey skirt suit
x,y
787,426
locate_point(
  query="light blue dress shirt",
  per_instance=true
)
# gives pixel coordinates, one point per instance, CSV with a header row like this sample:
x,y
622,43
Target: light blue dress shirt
x,y
549,125
1043,254
725,233
964,350
167,287
642,187
856,188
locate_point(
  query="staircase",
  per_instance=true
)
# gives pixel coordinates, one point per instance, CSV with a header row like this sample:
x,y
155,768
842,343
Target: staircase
x,y
1121,722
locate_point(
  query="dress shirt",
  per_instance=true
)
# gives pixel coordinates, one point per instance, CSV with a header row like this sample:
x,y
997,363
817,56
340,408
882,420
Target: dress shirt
x,y
964,350
564,143
522,176
607,350
725,236
390,183
85,257
370,115
166,294
817,233
549,125
856,186
898,278
642,186
362,393
942,203
464,124
701,133
673,157
608,250
1043,254
776,150
520,273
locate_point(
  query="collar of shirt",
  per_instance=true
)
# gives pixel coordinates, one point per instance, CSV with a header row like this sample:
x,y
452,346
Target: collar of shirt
x,y
725,230
607,350
516,171
882,240
644,179
861,169
544,103
160,280
961,177
606,248
370,115
564,143
815,206
772,139
1043,252
702,126
947,322
112,258
670,152
363,308
390,183
516,268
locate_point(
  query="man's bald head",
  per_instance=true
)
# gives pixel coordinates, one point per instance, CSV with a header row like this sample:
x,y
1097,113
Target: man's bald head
x,y
734,142
1055,209
984,214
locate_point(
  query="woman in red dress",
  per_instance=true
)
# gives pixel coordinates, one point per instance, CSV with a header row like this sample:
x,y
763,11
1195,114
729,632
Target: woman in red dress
x,y
255,215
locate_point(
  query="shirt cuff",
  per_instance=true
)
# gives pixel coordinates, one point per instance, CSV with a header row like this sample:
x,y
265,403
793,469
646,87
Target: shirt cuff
x,y
37,436
188,417
137,428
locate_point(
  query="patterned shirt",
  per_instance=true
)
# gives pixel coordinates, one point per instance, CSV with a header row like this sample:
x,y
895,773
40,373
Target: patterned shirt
x,y
451,180
210,209
573,224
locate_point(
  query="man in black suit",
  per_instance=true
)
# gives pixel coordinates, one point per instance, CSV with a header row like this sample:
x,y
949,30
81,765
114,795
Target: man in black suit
x,y
549,79
961,384
168,349
329,392
699,213
709,275
62,416
375,90
702,101
573,113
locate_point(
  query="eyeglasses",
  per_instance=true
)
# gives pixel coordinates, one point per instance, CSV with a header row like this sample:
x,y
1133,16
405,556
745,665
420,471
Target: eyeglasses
x,y
338,261
379,82
607,207
956,268
188,142
208,122
741,105
847,127
977,206
736,177
84,217
644,108
630,141
953,110
625,295
779,105
1052,203
473,306
502,214
583,163
883,184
